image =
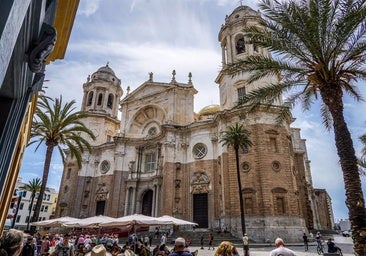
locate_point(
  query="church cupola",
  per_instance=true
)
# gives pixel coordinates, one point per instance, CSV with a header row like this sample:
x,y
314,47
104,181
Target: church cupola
x,y
102,92
232,37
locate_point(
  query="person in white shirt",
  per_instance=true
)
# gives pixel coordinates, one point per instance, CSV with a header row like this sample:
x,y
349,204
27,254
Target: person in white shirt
x,y
163,239
281,249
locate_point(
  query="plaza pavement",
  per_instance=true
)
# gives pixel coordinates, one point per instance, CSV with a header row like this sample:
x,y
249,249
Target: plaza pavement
x,y
343,242
261,251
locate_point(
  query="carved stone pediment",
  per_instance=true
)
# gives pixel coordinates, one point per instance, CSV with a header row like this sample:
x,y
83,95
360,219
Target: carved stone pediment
x,y
102,192
200,183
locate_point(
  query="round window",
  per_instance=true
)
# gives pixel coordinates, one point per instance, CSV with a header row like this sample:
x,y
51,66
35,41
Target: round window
x,y
199,150
276,166
245,166
152,131
104,166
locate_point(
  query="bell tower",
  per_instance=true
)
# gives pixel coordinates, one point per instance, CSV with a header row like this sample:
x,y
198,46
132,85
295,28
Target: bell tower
x,y
234,48
102,93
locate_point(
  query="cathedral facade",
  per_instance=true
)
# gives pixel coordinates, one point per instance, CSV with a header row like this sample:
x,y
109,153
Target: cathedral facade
x,y
155,156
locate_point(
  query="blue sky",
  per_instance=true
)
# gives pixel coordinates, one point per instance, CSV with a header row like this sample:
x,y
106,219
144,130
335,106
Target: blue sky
x,y
141,36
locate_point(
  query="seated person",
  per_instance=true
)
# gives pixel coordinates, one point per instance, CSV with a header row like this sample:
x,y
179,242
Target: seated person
x,y
331,246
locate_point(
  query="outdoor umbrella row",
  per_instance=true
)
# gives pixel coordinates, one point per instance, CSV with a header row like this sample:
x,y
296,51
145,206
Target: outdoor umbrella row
x,y
105,221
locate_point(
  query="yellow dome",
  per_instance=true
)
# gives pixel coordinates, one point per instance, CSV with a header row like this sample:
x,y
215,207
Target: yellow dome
x,y
209,110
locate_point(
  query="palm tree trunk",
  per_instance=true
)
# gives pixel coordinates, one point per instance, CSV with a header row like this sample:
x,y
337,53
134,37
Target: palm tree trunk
x,y
241,203
30,210
348,161
46,170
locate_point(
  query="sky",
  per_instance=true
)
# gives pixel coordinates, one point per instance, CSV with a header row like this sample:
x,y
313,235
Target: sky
x,y
136,37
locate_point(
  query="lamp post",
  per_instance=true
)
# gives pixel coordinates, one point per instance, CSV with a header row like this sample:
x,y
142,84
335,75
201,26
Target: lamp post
x,y
17,209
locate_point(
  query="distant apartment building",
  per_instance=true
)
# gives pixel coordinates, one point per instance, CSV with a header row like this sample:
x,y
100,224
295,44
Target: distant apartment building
x,y
21,203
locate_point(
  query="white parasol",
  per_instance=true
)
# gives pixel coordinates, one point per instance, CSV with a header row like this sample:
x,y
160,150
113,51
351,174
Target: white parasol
x,y
54,222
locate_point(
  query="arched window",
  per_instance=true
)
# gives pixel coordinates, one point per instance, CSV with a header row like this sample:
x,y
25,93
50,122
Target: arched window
x,y
90,99
110,101
240,46
100,99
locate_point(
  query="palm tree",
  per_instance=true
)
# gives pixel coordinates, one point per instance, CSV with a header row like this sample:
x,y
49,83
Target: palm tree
x,y
362,160
237,137
57,125
33,186
320,53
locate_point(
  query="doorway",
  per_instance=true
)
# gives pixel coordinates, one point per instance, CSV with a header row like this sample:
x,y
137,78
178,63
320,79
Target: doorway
x,y
100,208
147,203
200,210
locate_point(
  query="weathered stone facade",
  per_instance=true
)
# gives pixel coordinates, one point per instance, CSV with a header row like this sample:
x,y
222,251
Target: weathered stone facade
x,y
161,158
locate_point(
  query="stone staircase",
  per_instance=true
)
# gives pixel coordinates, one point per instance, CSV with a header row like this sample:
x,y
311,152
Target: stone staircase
x,y
196,234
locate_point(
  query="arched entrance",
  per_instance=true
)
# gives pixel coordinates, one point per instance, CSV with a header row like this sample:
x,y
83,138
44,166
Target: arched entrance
x,y
147,202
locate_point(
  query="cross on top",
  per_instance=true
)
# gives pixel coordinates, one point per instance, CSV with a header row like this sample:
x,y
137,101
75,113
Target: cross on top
x,y
240,2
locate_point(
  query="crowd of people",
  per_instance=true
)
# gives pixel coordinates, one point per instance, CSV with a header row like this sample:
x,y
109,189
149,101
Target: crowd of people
x,y
16,243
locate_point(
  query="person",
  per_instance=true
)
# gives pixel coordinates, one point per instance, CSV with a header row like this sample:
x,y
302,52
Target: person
x,y
98,250
306,241
45,247
64,249
201,242
210,239
318,238
246,245
29,248
162,250
140,249
281,250
179,246
226,249
163,239
146,240
11,243
331,246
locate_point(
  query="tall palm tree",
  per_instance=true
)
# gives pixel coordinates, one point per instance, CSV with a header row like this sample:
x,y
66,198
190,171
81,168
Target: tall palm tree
x,y
57,125
362,160
33,186
320,52
237,137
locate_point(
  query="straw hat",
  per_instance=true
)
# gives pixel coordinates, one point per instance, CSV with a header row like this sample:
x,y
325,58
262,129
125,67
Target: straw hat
x,y
98,250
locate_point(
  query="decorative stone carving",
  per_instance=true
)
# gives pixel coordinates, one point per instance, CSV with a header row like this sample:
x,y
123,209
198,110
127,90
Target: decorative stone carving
x,y
131,166
200,183
101,193
42,48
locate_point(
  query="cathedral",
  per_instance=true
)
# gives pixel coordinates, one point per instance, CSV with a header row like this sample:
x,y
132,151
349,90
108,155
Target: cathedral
x,y
155,156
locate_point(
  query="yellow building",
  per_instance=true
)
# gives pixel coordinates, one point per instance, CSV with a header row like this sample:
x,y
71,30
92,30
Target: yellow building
x,y
27,37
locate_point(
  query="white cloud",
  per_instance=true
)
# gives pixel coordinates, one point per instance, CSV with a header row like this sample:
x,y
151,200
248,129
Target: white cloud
x,y
88,7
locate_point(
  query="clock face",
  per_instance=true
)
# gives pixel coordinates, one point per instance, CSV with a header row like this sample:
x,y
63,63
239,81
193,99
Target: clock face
x,y
104,166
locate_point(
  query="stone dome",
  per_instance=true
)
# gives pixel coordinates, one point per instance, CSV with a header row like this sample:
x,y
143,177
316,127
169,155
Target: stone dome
x,y
106,69
209,110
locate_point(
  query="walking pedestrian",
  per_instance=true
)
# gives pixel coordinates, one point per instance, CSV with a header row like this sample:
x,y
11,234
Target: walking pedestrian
x,y
201,241
246,245
210,239
306,241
